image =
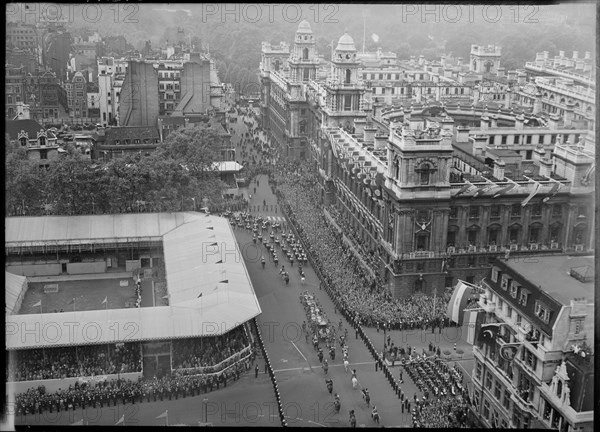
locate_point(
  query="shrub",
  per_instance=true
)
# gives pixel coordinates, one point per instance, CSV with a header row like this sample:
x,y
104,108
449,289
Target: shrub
x,y
446,352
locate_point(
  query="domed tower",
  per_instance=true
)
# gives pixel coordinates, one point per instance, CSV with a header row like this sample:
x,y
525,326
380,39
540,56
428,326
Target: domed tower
x,y
345,62
345,92
303,60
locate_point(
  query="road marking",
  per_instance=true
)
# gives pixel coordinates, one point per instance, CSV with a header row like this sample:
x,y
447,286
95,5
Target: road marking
x,y
284,361
299,350
310,421
331,365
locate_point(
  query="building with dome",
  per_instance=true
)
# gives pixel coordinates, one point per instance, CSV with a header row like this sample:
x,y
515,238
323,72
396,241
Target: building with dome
x,y
438,183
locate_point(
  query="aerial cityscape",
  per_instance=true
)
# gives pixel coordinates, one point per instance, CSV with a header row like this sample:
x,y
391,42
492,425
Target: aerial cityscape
x,y
300,215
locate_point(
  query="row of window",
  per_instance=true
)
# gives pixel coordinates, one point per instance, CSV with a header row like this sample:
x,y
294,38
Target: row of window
x,y
163,86
501,394
494,235
516,211
516,291
135,141
168,74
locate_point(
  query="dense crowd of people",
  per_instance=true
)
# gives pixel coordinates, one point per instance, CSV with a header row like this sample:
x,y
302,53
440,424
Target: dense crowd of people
x,y
207,351
113,392
352,285
67,362
251,143
99,391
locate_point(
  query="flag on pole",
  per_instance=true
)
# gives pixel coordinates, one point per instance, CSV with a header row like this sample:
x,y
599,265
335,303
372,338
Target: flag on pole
x,y
224,281
199,295
511,184
105,301
163,415
552,192
37,304
121,420
465,188
484,188
536,187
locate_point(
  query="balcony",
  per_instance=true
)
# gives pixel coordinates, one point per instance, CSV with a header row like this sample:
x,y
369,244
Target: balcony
x,y
521,399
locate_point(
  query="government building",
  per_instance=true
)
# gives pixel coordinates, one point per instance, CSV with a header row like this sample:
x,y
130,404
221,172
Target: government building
x,y
434,185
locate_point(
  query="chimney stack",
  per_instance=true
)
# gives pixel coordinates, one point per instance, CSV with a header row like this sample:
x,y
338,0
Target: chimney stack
x,y
479,145
499,167
462,134
545,167
568,114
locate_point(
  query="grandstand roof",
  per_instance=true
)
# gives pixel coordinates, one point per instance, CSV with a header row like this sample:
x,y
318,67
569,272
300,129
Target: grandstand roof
x,y
209,289
14,289
36,230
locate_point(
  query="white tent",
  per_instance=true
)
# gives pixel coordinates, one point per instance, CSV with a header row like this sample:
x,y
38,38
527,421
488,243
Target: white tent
x,y
209,289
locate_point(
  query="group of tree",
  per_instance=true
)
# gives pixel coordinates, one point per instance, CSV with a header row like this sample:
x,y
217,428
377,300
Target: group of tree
x,y
179,175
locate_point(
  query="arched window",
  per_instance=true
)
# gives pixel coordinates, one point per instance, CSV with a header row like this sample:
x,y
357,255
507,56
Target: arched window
x,y
42,140
305,54
555,232
422,241
424,175
23,141
579,233
559,388
396,168
348,76
488,67
419,284
277,64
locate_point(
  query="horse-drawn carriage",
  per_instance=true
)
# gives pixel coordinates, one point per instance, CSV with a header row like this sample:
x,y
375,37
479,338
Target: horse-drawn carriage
x,y
317,318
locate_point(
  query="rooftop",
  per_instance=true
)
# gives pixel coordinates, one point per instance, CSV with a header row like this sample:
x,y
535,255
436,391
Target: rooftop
x,y
209,290
552,273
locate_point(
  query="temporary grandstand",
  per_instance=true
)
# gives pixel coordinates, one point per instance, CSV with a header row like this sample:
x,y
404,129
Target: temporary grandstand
x,y
209,291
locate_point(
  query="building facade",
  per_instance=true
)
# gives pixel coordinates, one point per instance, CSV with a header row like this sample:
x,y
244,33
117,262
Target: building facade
x,y
531,352
41,145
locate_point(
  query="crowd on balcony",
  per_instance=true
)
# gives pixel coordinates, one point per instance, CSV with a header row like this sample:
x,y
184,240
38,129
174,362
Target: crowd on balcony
x,y
351,286
67,362
207,352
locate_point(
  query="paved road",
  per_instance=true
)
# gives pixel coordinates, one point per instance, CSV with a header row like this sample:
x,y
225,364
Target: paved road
x,y
299,374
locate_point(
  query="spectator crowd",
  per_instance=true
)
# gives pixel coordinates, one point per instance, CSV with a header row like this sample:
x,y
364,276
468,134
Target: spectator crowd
x,y
93,389
207,351
351,285
68,362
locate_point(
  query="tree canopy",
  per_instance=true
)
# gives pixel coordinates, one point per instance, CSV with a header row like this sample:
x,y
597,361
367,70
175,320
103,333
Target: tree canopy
x,y
178,172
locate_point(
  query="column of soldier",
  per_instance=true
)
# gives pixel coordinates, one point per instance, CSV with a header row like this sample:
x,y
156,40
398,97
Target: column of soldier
x,y
87,361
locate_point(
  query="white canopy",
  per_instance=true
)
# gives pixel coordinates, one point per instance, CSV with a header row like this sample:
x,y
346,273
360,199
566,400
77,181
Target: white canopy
x,y
209,290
